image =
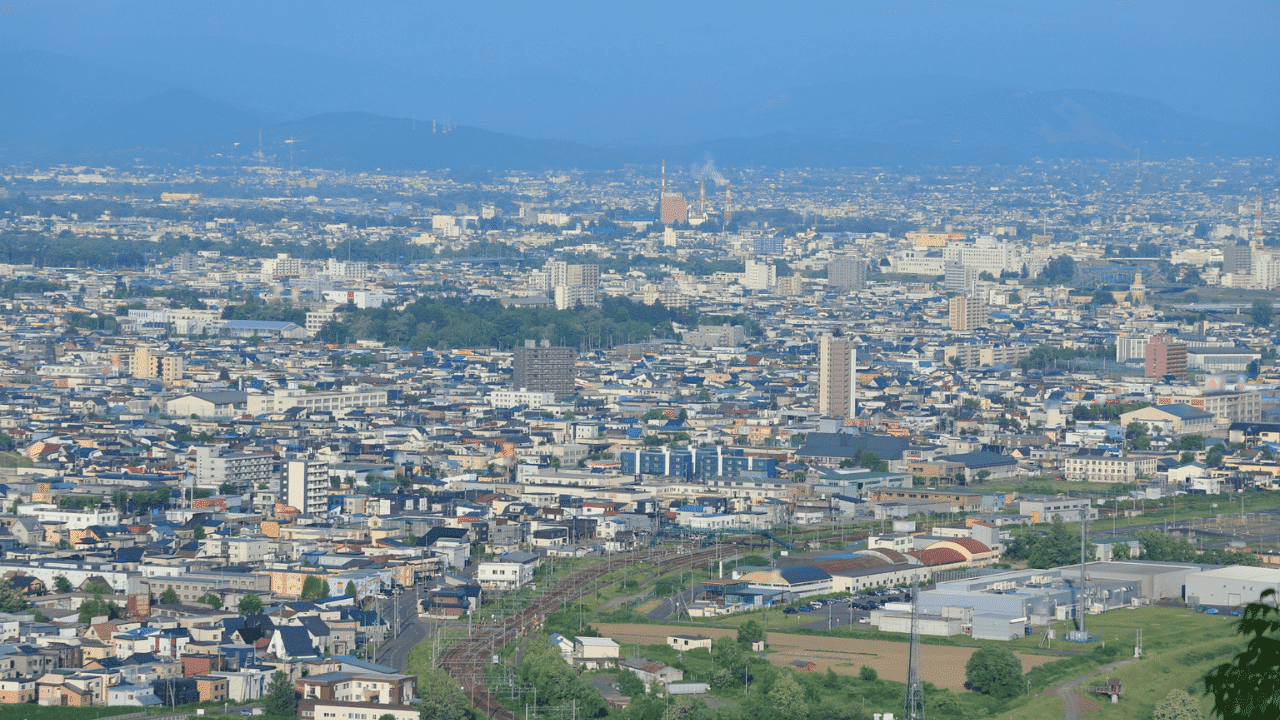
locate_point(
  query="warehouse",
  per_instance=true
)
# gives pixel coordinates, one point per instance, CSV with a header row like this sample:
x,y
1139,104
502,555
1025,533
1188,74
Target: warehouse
x,y
1231,586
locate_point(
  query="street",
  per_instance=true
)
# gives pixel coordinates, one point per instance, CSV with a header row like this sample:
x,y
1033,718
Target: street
x,y
400,613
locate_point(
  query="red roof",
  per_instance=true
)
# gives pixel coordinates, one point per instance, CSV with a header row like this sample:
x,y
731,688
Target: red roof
x,y
972,545
938,556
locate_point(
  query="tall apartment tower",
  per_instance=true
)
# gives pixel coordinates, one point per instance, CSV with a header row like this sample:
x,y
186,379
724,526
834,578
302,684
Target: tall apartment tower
x,y
306,486
847,273
1166,357
968,313
543,369
837,377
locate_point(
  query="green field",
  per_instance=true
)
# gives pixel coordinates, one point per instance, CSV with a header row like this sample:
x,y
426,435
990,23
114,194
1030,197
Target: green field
x,y
1179,647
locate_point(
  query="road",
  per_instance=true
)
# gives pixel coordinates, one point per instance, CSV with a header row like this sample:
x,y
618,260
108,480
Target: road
x,y
400,612
395,652
1071,700
668,608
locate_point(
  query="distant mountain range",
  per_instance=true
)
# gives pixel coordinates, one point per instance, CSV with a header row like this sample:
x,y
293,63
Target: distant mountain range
x,y
917,122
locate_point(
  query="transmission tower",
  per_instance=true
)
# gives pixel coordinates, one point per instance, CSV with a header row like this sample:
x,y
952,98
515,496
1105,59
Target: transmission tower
x,y
913,709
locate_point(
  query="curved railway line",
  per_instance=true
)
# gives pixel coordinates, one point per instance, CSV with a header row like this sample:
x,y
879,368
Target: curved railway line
x,y
466,660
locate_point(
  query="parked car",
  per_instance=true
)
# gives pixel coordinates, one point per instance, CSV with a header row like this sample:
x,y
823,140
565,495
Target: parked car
x,y
790,611
1211,611
1235,613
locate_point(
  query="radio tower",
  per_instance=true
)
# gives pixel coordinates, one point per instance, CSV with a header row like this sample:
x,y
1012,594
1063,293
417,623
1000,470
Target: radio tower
x,y
913,709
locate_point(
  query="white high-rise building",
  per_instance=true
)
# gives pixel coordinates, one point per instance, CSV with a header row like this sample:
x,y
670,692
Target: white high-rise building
x,y
306,486
759,276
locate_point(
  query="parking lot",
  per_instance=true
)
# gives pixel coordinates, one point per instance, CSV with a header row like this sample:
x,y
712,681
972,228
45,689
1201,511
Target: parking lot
x,y
848,610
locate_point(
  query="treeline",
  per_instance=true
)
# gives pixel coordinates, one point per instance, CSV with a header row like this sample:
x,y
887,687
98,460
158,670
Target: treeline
x,y
1159,547
1044,356
254,309
1106,411
455,323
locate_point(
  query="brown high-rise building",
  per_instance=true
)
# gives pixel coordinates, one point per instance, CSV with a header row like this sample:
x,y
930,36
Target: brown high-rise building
x,y
1166,357
837,377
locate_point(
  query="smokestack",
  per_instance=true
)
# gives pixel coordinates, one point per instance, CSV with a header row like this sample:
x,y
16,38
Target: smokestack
x,y
727,205
702,197
663,191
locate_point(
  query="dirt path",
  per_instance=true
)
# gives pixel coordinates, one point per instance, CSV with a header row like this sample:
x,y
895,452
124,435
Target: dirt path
x,y
942,665
1073,706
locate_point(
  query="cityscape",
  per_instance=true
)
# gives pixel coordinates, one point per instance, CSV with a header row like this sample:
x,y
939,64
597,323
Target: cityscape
x,y
638,430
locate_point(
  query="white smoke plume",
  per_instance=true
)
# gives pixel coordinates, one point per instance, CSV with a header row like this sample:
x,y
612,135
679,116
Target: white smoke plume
x,y
708,171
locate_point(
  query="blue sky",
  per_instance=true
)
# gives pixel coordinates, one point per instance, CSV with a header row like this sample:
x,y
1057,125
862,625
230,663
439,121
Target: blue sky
x,y
592,70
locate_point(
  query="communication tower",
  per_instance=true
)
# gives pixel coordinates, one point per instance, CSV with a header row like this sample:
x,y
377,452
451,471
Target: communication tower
x,y
913,708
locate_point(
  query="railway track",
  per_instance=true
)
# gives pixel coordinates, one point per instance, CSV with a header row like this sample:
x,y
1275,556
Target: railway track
x,y
466,661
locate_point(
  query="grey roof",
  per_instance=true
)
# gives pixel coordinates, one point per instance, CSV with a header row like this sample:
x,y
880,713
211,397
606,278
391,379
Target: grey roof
x,y
887,447
980,459
222,397
1184,412
258,325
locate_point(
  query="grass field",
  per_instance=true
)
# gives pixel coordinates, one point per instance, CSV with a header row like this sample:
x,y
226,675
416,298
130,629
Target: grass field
x,y
1179,647
14,460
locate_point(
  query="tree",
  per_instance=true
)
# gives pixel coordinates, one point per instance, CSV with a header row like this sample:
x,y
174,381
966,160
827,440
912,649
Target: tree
x,y
868,673
731,663
169,596
279,698
1262,313
199,533
1246,688
350,589
786,699
1060,270
62,584
994,671
97,587
10,600
749,632
314,588
1120,552
629,683
211,600
1103,297
1059,547
250,605
1177,705
97,607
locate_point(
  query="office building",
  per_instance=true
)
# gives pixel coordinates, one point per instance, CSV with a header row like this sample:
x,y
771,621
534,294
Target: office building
x,y
543,369
968,313
1166,357
847,273
959,278
837,379
1237,259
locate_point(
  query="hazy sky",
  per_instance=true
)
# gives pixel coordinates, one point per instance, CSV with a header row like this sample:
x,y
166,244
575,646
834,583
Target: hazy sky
x,y
598,69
